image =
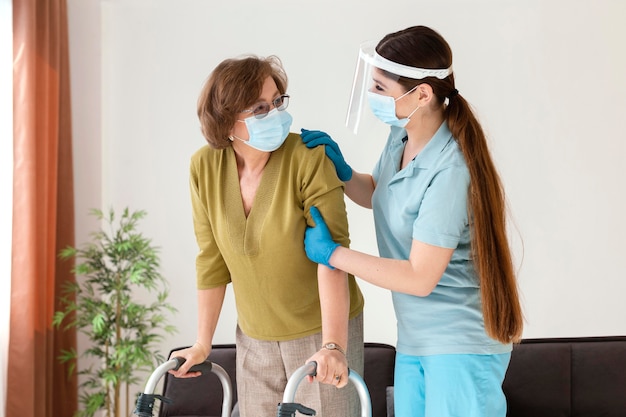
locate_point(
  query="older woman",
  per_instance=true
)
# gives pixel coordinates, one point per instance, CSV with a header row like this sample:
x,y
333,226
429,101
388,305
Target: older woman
x,y
251,191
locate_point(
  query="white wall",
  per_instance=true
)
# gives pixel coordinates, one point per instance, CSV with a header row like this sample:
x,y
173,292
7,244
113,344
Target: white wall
x,y
546,79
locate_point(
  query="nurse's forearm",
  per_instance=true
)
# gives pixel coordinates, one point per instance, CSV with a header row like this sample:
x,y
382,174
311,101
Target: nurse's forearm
x,y
416,276
360,189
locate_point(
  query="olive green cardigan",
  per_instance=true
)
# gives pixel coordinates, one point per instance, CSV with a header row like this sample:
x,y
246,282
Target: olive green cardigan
x,y
274,283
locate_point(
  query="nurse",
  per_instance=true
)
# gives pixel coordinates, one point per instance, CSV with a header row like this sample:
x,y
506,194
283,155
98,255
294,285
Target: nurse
x,y
439,211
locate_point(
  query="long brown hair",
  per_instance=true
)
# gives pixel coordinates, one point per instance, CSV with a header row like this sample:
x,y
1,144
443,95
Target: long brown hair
x,y
422,47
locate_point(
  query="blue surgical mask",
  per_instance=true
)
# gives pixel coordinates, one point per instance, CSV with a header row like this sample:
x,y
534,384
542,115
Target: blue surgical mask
x,y
268,133
384,107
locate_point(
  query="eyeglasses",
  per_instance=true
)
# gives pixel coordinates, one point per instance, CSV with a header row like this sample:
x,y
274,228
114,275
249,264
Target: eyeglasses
x,y
261,109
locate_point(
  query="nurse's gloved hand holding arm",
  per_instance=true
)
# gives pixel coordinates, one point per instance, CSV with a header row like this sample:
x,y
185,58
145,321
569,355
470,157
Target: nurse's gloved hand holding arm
x,y
318,242
313,138
417,275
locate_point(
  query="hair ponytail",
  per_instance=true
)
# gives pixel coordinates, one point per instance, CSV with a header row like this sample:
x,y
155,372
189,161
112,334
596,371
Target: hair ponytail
x,y
487,213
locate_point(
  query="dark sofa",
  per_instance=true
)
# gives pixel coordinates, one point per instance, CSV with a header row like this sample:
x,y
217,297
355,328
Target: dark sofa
x,y
563,377
553,377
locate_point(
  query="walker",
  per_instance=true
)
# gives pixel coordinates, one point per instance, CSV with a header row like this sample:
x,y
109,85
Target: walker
x,y
287,408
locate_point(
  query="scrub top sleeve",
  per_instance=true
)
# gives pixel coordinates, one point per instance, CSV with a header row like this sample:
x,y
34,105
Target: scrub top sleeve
x,y
443,214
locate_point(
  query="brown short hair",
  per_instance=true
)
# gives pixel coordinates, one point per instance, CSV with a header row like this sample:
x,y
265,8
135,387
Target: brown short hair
x,y
234,85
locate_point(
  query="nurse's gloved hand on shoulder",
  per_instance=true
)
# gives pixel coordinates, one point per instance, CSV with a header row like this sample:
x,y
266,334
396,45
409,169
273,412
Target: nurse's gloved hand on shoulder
x,y
313,138
318,242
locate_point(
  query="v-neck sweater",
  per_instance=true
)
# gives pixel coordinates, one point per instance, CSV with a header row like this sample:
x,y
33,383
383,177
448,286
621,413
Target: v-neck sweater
x,y
274,283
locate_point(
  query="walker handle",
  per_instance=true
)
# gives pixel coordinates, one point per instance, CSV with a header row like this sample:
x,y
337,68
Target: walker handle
x,y
310,369
204,367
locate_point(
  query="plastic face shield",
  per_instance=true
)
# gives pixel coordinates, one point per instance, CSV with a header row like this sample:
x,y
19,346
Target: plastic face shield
x,y
370,65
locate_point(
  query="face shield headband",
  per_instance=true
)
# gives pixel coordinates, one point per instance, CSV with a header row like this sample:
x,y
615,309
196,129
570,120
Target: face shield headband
x,y
369,60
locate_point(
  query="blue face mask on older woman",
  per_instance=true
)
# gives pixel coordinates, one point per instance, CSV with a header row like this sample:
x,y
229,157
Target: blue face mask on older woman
x,y
268,133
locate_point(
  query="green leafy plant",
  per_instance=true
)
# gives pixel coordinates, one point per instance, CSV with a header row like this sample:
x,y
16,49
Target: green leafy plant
x,y
116,266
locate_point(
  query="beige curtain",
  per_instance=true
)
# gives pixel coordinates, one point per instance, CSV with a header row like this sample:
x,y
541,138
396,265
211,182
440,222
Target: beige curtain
x,y
43,213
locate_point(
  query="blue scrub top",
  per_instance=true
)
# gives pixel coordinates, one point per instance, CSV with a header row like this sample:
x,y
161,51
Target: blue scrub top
x,y
427,201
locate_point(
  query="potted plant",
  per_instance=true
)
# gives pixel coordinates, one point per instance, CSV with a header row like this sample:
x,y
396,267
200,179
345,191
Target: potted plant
x,y
112,269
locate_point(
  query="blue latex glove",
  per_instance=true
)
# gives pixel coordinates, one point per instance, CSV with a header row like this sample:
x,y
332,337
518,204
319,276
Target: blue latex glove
x,y
318,243
313,138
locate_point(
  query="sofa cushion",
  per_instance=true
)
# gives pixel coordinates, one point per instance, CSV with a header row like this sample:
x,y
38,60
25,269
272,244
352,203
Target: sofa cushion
x,y
599,377
537,382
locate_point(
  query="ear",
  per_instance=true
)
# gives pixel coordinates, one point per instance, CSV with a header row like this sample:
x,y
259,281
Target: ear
x,y
426,94
241,133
